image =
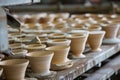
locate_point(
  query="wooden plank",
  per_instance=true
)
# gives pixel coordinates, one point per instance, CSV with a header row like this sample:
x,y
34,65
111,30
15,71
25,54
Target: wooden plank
x,y
84,64
106,71
16,2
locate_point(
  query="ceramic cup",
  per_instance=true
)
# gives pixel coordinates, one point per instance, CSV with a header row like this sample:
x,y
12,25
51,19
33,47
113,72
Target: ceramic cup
x,y
60,53
78,42
40,61
58,42
14,69
117,22
111,33
111,30
35,47
95,39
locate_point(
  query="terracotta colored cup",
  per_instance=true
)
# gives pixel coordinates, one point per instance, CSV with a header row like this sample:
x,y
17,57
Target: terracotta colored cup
x,y
60,53
58,42
14,69
40,61
95,39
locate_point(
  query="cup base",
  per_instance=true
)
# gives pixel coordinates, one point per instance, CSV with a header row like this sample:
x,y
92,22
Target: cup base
x,y
111,41
76,57
67,64
96,50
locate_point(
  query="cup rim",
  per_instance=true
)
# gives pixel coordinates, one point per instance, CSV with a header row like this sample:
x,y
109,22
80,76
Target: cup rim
x,y
57,47
17,62
97,32
31,46
46,53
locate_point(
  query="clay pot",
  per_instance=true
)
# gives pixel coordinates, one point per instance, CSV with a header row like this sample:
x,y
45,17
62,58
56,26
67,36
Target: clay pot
x,y
117,21
60,54
14,69
95,39
58,42
77,45
111,30
40,61
35,47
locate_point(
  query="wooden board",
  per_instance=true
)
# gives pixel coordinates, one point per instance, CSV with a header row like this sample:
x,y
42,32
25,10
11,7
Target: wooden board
x,y
84,64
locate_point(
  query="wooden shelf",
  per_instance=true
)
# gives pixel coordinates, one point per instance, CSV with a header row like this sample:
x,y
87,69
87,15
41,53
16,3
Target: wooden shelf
x,y
16,2
84,64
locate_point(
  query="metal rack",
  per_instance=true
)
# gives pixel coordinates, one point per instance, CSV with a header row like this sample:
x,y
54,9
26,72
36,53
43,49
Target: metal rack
x,y
3,21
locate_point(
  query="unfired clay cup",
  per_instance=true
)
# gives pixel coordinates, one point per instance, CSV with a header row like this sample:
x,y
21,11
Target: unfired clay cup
x,y
60,54
95,39
78,42
111,30
40,62
14,69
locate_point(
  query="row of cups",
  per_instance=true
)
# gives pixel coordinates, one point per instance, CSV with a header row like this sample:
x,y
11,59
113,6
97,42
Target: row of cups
x,y
54,57
76,41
